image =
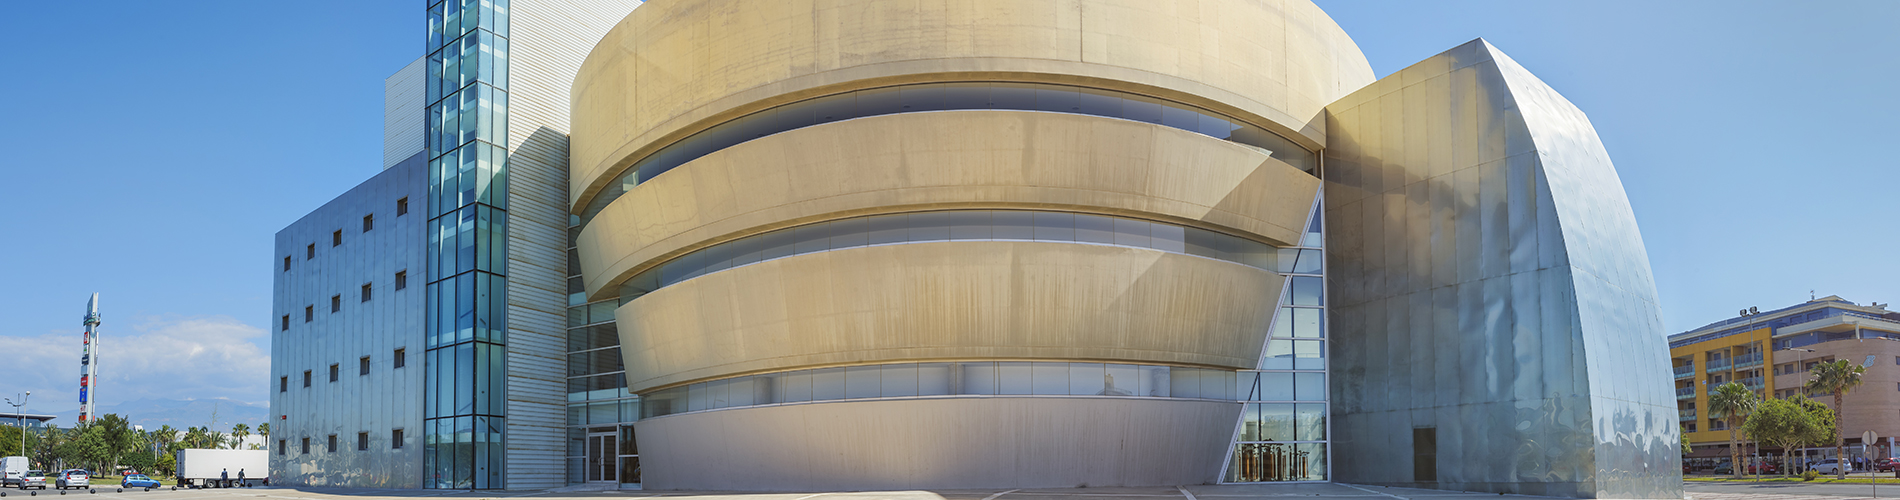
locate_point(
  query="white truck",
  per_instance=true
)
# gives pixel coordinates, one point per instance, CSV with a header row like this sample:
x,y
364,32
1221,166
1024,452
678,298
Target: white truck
x,y
199,468
12,469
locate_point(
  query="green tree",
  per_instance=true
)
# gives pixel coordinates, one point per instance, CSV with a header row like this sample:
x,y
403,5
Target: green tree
x,y
10,441
263,431
1836,377
1781,423
240,431
117,438
46,452
1732,403
1683,432
164,437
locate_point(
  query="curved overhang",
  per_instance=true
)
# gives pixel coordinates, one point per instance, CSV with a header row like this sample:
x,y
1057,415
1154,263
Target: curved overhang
x,y
947,159
673,68
946,301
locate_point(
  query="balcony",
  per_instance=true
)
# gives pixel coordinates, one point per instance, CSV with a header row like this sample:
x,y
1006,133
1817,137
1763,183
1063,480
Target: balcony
x,y
1752,383
1749,360
1685,393
1687,415
1685,371
1719,365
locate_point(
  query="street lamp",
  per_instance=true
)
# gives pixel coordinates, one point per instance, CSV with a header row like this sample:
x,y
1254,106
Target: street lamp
x,y
19,415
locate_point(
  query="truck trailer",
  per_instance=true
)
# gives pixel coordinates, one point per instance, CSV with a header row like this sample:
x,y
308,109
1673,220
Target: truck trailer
x,y
201,468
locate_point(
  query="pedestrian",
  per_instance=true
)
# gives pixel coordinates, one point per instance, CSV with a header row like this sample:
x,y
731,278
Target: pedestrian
x,y
224,478
240,477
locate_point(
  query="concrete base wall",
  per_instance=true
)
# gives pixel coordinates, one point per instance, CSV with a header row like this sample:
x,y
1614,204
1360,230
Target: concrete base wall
x,y
1021,442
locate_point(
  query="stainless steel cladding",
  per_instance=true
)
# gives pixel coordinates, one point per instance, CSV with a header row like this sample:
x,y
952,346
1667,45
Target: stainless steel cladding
x,y
1496,323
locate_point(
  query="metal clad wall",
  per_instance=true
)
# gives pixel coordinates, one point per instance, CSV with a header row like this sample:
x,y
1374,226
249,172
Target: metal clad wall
x,y
1489,283
548,39
387,398
402,113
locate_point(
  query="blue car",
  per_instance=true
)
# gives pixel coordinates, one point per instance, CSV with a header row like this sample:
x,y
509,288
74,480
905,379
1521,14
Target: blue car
x,y
138,481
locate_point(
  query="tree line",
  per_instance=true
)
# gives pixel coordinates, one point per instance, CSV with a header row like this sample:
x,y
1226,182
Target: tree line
x,y
108,443
1791,423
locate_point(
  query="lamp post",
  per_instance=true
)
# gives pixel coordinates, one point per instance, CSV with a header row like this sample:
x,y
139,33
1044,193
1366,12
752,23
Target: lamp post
x,y
1797,364
21,417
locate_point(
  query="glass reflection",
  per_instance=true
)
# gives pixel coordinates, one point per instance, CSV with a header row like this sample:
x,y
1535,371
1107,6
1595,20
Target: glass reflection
x,y
910,380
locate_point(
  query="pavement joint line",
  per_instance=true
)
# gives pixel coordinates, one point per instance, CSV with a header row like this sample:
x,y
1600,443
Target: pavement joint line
x,y
1184,492
1372,492
993,497
809,497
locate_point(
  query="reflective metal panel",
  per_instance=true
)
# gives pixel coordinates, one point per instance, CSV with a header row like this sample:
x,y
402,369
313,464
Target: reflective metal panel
x,y
1490,285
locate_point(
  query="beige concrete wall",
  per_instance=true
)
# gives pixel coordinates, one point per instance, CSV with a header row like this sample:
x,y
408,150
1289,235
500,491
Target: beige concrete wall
x,y
940,443
908,162
949,300
674,67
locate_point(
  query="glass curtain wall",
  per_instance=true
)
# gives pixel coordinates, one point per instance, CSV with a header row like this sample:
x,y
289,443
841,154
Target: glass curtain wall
x,y
600,411
467,130
1282,434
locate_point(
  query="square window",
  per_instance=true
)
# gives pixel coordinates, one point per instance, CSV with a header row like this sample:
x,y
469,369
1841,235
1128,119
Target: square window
x,y
286,263
362,441
366,292
309,312
362,366
395,439
306,446
369,222
286,326
283,384
310,252
306,378
400,358
332,444
333,372
282,449
336,238
402,280
402,206
336,303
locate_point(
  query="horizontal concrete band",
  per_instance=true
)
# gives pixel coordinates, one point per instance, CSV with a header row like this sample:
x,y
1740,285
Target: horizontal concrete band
x,y
950,159
940,443
672,68
949,300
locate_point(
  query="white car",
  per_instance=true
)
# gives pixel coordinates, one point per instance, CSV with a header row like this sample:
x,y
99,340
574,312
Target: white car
x,y
72,478
1829,466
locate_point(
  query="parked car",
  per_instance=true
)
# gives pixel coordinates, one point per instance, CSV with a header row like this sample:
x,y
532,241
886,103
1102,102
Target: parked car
x,y
1829,466
1885,464
73,478
34,479
138,481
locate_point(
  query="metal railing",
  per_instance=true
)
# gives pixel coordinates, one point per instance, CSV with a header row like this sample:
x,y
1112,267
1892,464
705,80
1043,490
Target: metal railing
x,y
1685,392
1685,371
1747,360
1687,415
1718,365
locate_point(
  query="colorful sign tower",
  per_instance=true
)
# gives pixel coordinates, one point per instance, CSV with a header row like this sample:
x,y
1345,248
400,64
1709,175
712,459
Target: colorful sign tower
x,y
89,362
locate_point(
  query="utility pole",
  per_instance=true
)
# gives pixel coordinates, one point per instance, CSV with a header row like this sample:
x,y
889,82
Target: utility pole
x,y
18,414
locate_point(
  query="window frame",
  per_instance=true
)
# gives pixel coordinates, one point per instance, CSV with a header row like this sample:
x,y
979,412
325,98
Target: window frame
x,y
369,222
362,366
283,383
368,291
334,370
310,252
336,303
399,358
395,439
306,379
306,446
402,206
286,263
336,238
330,443
402,279
286,326
362,441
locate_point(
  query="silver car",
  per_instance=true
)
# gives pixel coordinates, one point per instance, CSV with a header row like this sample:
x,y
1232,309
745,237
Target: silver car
x,y
72,478
33,479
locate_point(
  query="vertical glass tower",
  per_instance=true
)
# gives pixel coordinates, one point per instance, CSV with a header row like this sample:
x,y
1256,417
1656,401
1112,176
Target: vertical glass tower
x,y
467,130
1282,432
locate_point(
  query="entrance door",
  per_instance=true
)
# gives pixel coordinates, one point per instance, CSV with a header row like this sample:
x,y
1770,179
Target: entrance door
x,y
602,449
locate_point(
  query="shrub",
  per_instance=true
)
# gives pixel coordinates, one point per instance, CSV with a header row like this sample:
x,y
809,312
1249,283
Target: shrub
x,y
1810,475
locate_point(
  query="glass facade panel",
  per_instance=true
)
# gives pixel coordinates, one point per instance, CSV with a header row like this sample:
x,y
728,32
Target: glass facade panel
x,y
1284,438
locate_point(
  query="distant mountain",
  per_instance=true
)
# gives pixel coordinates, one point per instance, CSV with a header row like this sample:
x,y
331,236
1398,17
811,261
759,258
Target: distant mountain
x,y
179,413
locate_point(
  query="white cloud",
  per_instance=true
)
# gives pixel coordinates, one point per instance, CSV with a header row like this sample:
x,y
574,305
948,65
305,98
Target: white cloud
x,y
166,357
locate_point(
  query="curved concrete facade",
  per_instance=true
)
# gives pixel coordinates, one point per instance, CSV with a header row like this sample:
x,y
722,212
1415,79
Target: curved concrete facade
x,y
675,67
949,300
942,443
947,159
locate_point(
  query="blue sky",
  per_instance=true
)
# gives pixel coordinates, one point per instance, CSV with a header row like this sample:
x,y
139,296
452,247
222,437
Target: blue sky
x,y
154,148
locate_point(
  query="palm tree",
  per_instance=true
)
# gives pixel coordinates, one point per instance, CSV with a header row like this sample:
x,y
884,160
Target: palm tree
x,y
164,437
263,432
240,431
1732,403
1836,377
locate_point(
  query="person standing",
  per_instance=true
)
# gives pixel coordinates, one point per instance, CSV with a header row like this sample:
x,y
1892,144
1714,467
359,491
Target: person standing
x,y
240,477
224,478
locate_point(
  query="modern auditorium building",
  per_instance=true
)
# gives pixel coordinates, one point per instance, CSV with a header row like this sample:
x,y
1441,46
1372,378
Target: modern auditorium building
x,y
869,244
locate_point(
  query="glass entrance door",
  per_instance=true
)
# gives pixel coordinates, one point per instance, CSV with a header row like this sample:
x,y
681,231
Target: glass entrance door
x,y
602,450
